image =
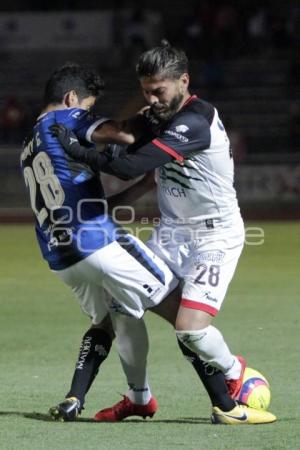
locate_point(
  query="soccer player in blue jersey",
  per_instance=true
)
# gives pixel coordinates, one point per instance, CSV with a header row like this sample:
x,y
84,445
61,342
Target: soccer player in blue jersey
x,y
88,251
78,239
197,199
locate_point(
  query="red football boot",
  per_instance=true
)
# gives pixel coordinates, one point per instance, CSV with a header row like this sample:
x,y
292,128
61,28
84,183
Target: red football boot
x,y
126,408
235,386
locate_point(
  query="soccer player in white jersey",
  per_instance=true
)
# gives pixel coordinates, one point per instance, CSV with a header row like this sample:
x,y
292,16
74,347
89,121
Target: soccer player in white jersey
x,y
86,248
201,233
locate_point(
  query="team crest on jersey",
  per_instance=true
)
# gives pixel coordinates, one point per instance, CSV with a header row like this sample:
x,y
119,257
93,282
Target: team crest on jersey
x,y
181,128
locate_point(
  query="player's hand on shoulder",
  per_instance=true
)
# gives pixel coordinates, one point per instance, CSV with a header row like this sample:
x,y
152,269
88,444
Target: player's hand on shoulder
x,y
65,136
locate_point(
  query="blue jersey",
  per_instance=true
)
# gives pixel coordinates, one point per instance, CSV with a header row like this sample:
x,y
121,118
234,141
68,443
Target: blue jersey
x,y
66,197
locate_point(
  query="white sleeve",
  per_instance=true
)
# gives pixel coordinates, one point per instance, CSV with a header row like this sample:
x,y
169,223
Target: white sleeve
x,y
92,128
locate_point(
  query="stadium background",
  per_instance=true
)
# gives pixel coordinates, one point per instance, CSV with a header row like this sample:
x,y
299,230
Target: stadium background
x,y
245,60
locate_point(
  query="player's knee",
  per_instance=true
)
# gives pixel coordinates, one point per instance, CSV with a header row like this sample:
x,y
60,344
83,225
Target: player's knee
x,y
181,323
190,319
106,326
195,340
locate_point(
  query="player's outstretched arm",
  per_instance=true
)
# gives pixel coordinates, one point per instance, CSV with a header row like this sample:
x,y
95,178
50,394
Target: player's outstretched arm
x,y
132,165
127,166
70,144
123,132
112,131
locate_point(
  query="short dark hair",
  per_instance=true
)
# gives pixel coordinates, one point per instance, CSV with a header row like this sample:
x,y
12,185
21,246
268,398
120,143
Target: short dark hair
x,y
71,76
165,61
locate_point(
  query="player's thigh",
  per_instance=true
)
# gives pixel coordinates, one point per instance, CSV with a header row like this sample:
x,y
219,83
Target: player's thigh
x,y
134,276
207,281
92,297
168,308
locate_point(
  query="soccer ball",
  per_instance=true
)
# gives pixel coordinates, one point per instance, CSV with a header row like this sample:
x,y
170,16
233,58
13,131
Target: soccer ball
x,y
255,391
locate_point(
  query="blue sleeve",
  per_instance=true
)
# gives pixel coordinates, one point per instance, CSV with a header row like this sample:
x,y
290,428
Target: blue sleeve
x,y
82,123
187,134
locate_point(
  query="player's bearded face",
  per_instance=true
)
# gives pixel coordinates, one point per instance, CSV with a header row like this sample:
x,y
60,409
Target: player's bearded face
x,y
164,96
164,111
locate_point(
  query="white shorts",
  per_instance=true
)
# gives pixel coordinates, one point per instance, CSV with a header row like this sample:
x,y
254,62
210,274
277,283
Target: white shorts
x,y
128,271
204,265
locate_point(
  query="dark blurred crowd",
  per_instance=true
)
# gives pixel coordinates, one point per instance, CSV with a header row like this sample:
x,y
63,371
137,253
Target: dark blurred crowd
x,y
13,120
207,28
227,29
211,31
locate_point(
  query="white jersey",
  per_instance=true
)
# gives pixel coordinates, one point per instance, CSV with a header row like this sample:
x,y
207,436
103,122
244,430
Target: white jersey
x,y
199,186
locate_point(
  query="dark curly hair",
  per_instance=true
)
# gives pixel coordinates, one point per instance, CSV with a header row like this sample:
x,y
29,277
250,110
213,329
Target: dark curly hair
x,y
72,76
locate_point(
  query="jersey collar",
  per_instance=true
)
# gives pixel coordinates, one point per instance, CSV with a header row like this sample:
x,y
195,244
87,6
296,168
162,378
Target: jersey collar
x,y
189,100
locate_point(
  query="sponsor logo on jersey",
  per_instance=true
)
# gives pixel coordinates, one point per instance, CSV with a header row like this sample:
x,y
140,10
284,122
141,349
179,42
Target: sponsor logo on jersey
x,y
181,128
215,256
173,192
177,136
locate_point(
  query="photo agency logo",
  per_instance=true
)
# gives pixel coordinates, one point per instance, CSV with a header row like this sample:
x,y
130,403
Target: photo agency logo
x,y
127,221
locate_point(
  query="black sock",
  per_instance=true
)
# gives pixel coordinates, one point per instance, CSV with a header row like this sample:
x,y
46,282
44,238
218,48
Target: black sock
x,y
94,349
212,378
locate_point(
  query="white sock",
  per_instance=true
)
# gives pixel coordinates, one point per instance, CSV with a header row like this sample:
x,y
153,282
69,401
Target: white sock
x,y
235,371
133,346
209,344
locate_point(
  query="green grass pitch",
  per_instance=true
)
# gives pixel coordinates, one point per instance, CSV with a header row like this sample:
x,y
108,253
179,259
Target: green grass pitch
x,y
41,326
